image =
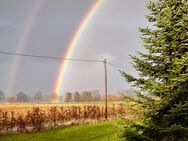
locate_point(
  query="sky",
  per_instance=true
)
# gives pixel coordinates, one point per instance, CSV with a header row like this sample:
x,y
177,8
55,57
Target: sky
x,y
45,27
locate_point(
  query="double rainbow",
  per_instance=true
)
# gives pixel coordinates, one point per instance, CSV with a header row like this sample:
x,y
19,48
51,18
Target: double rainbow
x,y
72,44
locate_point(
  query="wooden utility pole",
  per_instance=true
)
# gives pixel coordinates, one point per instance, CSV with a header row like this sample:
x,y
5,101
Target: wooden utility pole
x,y
106,108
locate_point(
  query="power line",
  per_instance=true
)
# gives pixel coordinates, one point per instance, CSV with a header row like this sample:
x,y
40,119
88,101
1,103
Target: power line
x,y
115,65
48,57
59,58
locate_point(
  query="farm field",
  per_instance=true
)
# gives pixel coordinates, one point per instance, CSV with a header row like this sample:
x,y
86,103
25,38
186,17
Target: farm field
x,y
103,131
22,107
25,118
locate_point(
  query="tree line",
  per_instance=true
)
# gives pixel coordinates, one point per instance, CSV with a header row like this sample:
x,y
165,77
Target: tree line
x,y
39,97
22,97
84,96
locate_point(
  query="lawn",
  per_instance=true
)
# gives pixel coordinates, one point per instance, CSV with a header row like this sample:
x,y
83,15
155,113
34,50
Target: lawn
x,y
104,131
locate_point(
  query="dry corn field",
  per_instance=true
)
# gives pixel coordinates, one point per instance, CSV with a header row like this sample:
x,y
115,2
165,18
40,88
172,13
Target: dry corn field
x,y
24,107
29,118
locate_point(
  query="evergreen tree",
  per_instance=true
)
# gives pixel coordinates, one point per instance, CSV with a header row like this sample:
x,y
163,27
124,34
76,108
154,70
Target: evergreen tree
x,y
163,75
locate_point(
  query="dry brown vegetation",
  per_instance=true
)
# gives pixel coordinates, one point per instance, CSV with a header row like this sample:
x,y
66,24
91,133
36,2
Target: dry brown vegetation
x,y
22,108
23,119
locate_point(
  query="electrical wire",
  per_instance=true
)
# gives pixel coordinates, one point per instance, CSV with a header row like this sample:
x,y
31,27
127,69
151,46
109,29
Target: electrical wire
x,y
48,57
59,58
115,65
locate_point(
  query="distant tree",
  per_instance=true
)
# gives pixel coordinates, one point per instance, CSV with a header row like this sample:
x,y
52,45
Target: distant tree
x,y
38,97
163,75
54,97
68,97
11,99
21,97
60,98
47,98
76,97
2,96
83,96
87,96
96,95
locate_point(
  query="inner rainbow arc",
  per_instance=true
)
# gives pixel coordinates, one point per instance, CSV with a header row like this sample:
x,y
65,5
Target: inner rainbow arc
x,y
75,38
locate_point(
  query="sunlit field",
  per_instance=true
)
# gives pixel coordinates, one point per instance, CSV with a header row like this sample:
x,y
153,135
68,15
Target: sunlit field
x,y
31,117
23,107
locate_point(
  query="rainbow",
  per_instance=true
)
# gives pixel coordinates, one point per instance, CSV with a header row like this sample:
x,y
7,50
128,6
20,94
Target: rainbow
x,y
22,44
73,42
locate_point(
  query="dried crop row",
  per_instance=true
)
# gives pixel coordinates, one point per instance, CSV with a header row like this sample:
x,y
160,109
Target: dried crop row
x,y
38,119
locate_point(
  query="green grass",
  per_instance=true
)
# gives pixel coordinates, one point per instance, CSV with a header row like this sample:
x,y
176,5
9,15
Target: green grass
x,y
105,131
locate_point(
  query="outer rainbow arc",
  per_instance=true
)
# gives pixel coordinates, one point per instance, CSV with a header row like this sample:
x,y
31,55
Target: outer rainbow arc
x,y
71,46
22,44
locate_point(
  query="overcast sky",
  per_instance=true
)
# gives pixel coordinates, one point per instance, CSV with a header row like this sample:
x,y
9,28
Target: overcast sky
x,y
112,33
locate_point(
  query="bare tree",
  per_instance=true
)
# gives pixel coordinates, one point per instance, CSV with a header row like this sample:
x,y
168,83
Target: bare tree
x,y
38,97
2,96
11,99
68,97
76,97
21,97
54,97
87,96
96,95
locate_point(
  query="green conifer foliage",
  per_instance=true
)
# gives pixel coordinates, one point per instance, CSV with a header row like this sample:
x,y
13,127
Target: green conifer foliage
x,y
163,75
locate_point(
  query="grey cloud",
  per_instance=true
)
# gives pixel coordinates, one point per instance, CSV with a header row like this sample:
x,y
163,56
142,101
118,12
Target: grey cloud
x,y
112,32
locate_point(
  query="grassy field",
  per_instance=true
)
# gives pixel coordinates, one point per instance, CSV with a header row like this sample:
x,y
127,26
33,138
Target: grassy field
x,y
104,131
